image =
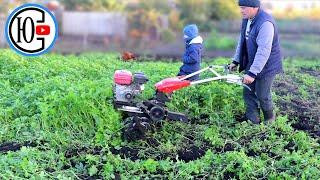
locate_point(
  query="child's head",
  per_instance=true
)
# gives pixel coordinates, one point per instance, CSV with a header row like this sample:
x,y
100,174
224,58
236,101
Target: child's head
x,y
190,31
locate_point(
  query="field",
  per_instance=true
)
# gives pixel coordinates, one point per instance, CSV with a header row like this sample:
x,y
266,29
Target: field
x,y
57,122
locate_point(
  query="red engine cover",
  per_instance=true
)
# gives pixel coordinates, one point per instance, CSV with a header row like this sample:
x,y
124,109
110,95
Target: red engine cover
x,y
171,84
123,77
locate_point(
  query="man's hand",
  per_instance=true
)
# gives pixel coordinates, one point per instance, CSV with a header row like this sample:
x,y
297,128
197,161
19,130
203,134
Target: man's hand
x,y
232,67
247,79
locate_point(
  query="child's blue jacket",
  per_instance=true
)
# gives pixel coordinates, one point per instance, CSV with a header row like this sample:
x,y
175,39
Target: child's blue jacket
x,y
192,56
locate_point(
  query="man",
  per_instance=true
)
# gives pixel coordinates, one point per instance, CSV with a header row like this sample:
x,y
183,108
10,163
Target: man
x,y
258,54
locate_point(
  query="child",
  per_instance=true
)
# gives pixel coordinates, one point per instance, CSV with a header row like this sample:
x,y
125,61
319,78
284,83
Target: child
x,y
192,56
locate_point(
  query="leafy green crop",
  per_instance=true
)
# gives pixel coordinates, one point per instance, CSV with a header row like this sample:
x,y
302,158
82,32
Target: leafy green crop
x,y
57,121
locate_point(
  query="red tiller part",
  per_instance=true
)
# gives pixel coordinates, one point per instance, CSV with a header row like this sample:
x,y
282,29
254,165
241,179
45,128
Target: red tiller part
x,y
171,84
123,77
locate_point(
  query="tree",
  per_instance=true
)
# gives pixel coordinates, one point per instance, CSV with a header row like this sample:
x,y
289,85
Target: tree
x,y
161,6
96,5
193,11
76,4
223,9
202,12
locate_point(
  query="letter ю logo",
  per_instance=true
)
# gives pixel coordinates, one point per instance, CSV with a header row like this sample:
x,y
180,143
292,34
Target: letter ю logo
x,y
31,30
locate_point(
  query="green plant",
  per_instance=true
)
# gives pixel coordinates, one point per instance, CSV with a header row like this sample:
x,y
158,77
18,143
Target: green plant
x,y
151,165
218,41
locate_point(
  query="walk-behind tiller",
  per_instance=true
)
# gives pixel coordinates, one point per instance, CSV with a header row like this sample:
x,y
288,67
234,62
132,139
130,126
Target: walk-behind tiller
x,y
141,114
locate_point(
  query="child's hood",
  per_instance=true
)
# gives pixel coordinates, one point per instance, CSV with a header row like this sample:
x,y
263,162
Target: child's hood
x,y
196,40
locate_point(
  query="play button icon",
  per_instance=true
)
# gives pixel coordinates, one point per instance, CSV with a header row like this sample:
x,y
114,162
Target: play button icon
x,y
42,30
